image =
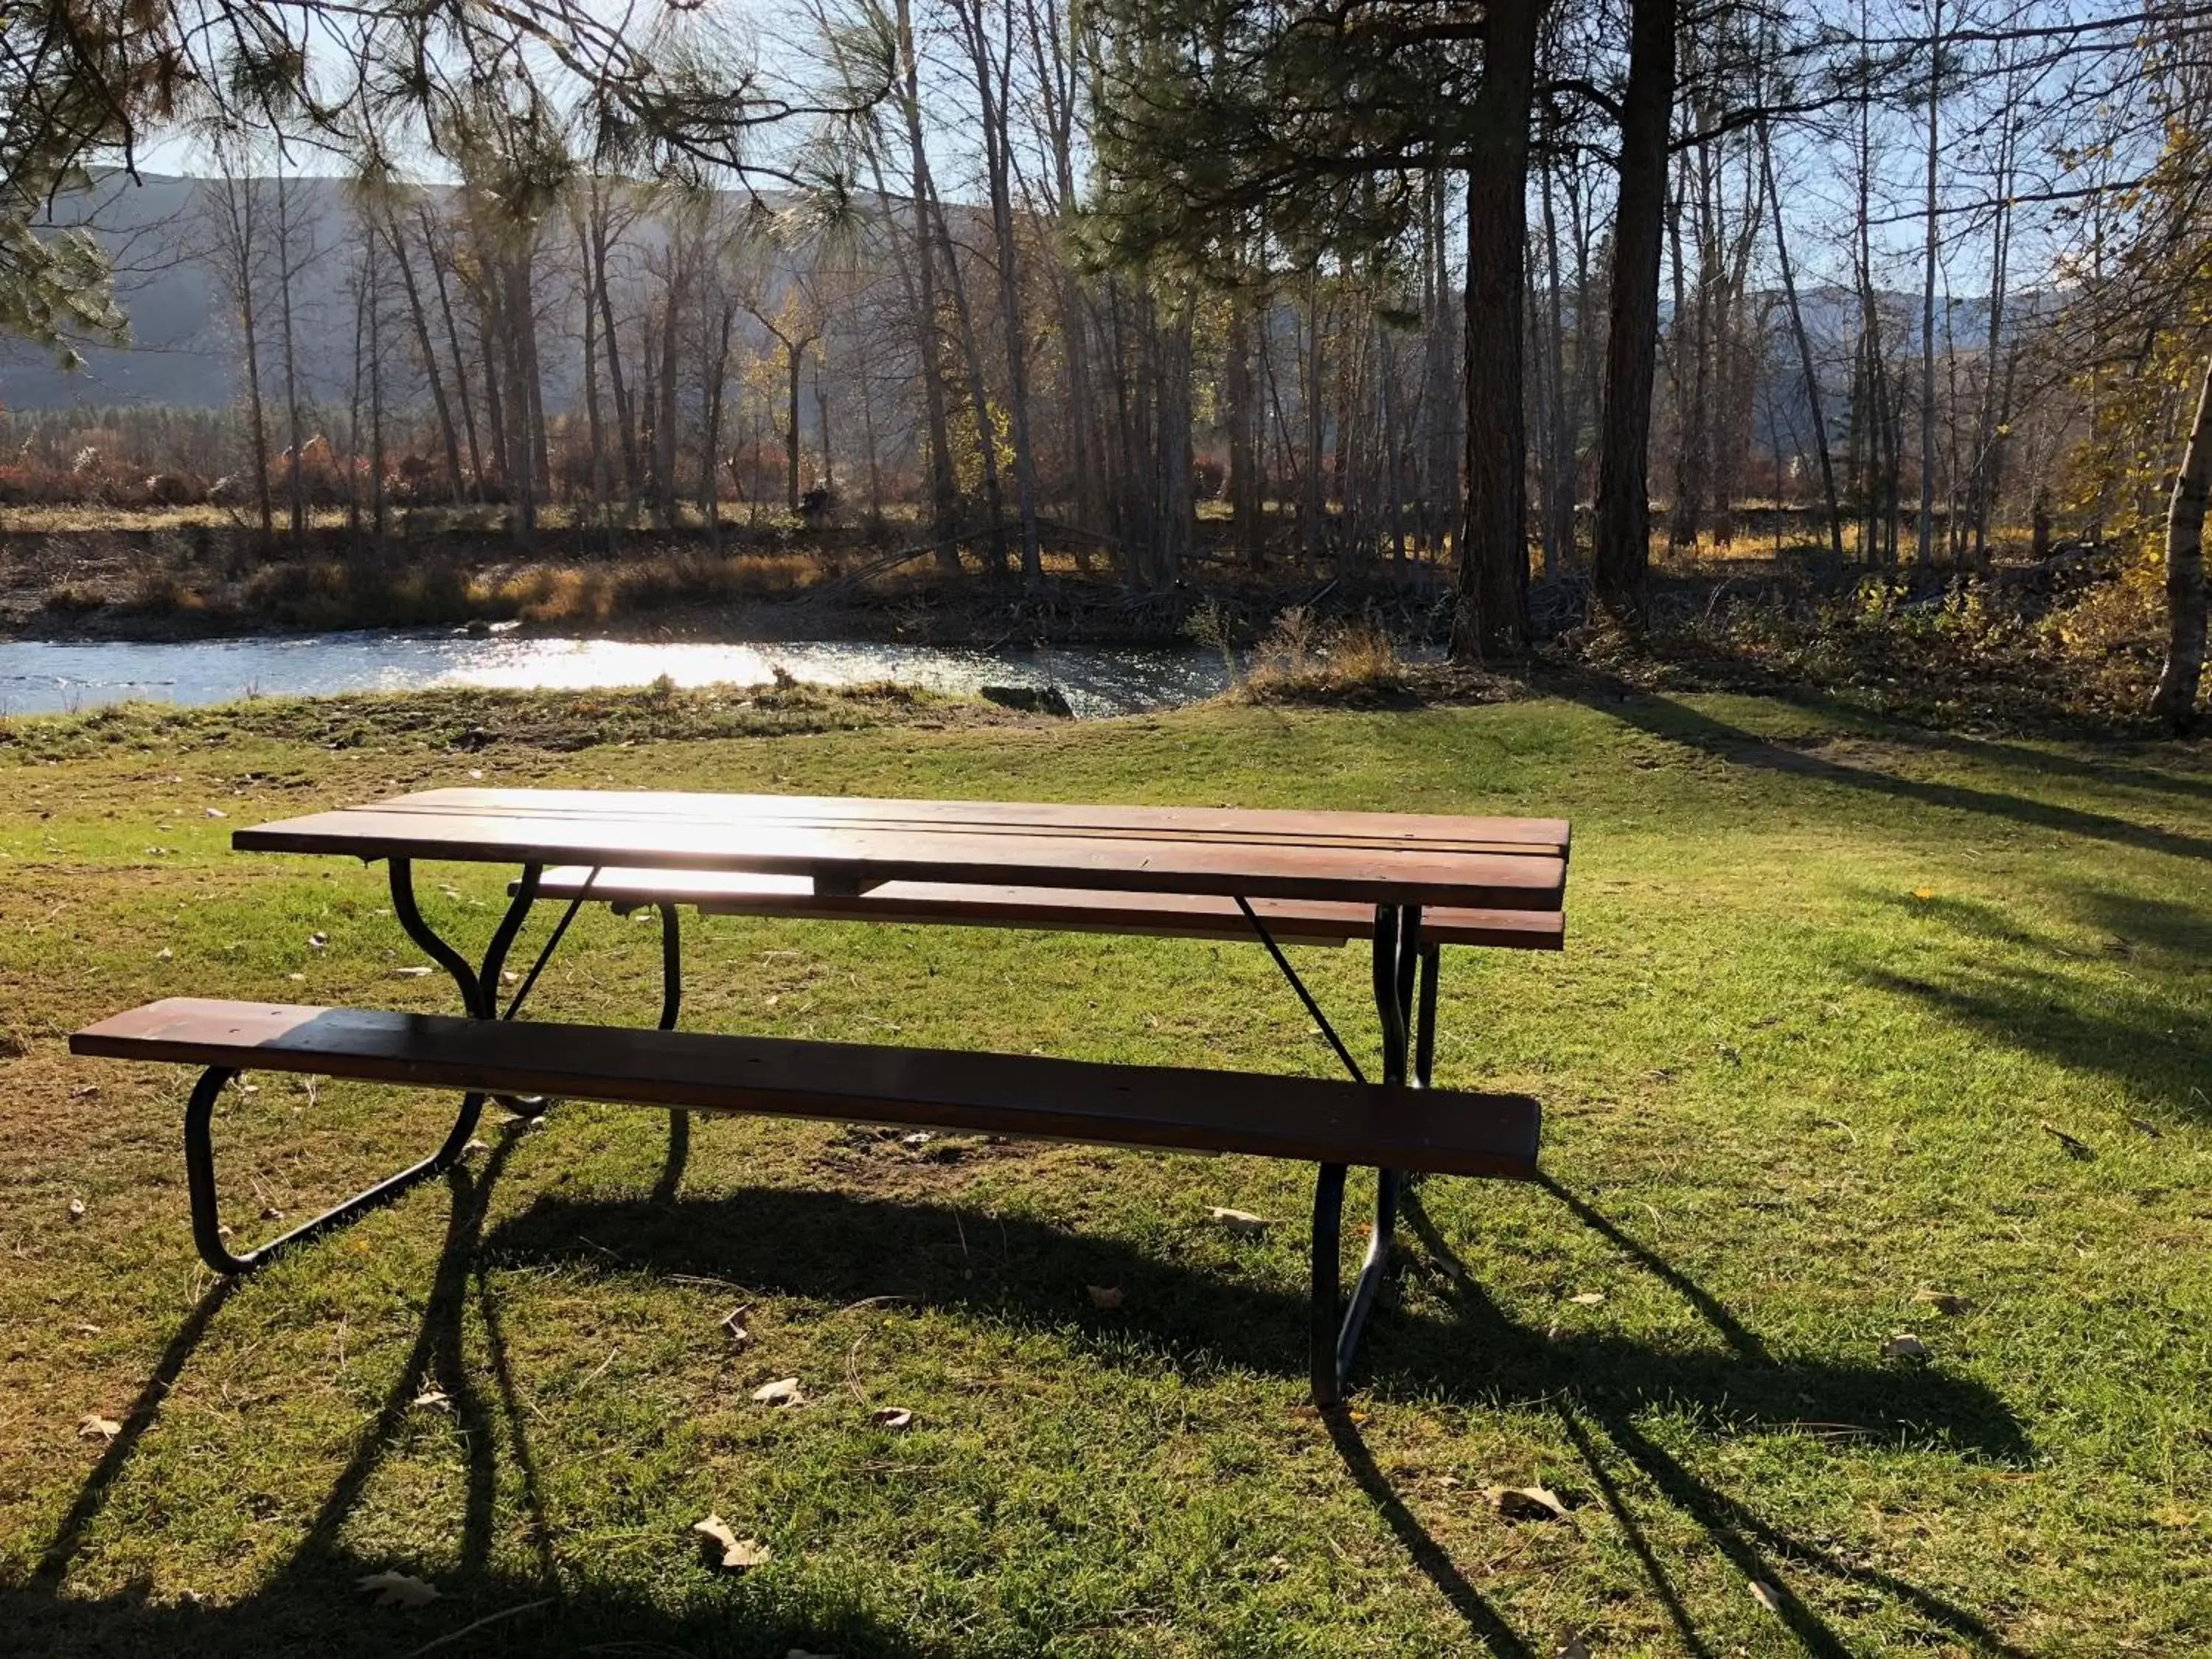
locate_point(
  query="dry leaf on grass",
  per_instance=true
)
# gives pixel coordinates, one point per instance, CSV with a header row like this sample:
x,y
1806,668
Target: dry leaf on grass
x,y
2073,1145
1105,1296
216,813
896,1419
397,1589
93,1426
1242,1222
1905,1346
164,954
784,1391
1950,1306
1527,1503
738,1554
433,1400
411,973
734,1323
1588,1299
76,1209
85,1091
1766,1595
317,941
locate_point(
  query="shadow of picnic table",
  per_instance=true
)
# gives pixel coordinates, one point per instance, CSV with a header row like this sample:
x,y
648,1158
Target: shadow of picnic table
x,y
844,1248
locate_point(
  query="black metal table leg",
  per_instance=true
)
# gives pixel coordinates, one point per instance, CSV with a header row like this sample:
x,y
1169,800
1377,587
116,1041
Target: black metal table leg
x,y
1400,959
672,1008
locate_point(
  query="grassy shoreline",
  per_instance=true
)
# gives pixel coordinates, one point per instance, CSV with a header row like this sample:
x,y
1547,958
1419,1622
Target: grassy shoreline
x,y
1832,985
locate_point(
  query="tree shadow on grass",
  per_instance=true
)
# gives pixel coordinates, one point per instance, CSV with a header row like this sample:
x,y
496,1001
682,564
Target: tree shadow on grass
x,y
2031,996
1690,728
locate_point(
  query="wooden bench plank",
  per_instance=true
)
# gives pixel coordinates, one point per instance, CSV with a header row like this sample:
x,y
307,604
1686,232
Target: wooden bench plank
x,y
1312,1120
1061,909
1500,864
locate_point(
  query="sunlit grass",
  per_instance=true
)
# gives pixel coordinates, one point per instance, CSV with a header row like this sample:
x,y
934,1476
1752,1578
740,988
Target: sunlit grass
x,y
1833,991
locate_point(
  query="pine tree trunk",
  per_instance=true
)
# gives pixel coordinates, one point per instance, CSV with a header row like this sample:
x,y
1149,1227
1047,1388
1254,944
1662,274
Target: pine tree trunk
x,y
1491,617
1622,549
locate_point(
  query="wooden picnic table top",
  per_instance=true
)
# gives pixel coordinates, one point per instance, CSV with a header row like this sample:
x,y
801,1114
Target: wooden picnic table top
x,y
849,845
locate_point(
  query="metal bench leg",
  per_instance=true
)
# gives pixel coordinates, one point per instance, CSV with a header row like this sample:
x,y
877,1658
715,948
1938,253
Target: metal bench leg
x,y
199,1178
1336,1335
672,1008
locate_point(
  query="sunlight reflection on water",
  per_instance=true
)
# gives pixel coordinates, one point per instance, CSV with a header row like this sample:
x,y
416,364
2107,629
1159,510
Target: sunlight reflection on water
x,y
38,677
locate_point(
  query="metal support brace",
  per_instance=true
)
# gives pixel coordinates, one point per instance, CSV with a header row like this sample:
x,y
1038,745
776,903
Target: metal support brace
x,y
479,988
199,1178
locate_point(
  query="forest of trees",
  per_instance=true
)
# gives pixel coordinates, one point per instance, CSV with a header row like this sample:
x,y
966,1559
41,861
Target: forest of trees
x,y
1515,289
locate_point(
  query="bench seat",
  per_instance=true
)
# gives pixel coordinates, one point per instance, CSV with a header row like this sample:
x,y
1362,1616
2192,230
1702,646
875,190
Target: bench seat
x,y
1314,1120
1060,909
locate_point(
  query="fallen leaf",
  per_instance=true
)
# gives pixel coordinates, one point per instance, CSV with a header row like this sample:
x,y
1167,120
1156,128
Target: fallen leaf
x,y
738,1554
1588,1299
411,973
896,1419
784,1391
216,813
476,1146
1526,1503
1765,1594
1663,1075
733,1323
85,1091
1918,893
93,1426
475,771
1242,1222
297,979
2074,1147
317,941
1952,1307
397,1589
271,1212
1905,1346
433,1400
164,954
1105,1296
76,1209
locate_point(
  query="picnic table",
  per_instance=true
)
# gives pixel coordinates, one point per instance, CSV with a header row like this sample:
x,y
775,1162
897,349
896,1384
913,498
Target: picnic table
x,y
1409,884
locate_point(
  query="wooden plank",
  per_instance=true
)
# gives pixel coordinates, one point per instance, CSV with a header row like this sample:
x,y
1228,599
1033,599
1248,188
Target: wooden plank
x,y
1392,865
1299,827
1313,1120
1173,915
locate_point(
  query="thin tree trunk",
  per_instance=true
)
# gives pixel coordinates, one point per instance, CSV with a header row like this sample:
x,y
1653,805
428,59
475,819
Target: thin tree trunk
x,y
2183,673
1805,363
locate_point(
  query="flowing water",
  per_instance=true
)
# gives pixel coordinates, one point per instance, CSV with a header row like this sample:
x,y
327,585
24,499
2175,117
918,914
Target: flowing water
x,y
40,677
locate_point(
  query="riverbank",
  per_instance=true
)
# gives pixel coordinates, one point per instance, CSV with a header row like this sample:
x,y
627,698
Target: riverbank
x,y
1862,1030
132,582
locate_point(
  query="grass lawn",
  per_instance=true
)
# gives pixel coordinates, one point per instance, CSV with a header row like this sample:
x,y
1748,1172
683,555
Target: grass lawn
x,y
1853,1020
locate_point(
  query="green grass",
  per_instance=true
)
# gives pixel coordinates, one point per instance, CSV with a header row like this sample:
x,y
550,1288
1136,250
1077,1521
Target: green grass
x,y
1830,988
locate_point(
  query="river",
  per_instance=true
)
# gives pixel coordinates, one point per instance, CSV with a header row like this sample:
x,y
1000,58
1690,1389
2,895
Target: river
x,y
44,678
